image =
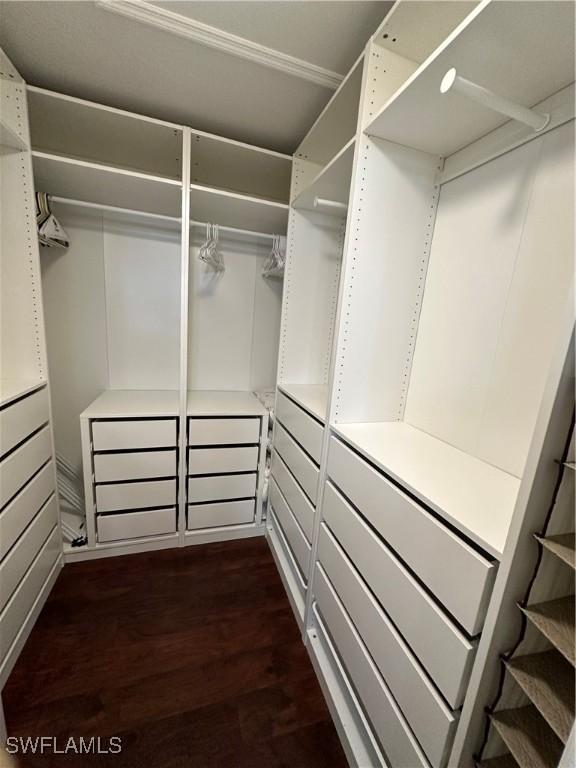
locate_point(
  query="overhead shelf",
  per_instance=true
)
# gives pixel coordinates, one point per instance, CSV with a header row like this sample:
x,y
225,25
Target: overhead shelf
x,y
561,545
312,397
528,737
523,57
555,620
231,209
104,185
332,183
475,497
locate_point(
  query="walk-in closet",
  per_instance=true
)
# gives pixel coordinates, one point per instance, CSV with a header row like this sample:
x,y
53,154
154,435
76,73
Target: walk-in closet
x,y
287,383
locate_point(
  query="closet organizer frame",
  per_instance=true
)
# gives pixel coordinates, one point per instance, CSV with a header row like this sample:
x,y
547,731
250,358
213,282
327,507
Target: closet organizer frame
x,y
86,178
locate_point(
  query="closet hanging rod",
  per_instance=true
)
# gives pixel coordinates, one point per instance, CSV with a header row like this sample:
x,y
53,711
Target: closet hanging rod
x,y
452,81
320,202
234,230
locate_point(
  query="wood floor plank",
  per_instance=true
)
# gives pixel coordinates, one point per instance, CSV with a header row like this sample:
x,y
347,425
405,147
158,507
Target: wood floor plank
x,y
555,620
562,545
530,740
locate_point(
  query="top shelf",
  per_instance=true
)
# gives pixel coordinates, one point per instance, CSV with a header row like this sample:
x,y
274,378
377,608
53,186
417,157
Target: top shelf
x,y
332,183
522,56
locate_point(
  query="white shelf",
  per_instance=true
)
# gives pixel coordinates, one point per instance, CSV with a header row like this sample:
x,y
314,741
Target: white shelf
x,y
476,498
216,403
105,185
332,183
312,397
133,403
524,57
10,139
231,209
12,389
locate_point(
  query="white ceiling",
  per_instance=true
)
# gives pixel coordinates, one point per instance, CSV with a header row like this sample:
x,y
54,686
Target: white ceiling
x,y
77,48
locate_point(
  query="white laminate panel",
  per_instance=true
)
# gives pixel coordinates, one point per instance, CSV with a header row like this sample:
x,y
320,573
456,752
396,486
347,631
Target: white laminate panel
x,y
391,729
306,430
21,418
221,487
445,652
225,431
134,466
135,525
301,466
211,461
422,705
15,565
119,496
24,506
16,469
14,614
454,572
294,495
292,531
220,513
133,434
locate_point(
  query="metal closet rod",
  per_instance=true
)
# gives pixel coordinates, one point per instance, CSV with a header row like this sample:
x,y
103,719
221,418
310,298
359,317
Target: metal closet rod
x,y
161,216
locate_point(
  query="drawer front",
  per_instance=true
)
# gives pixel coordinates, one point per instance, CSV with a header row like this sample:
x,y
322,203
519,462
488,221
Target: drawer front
x,y
134,466
294,495
221,487
23,508
307,431
292,531
136,525
119,496
223,431
210,461
294,583
444,651
14,614
402,749
124,435
220,513
13,568
20,419
429,718
459,577
301,466
19,467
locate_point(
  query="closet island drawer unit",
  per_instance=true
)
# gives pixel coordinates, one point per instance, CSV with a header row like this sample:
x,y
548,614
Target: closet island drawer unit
x,y
459,576
133,525
303,427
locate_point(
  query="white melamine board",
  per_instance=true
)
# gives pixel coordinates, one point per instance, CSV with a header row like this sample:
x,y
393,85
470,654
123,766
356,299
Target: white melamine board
x,y
21,464
220,513
301,508
232,209
83,130
289,571
294,535
12,389
142,268
224,431
312,397
476,497
92,183
8,70
22,509
117,404
20,419
266,325
386,73
221,487
307,431
301,466
385,267
231,165
13,124
109,467
310,295
220,403
493,303
212,461
132,525
138,495
521,51
332,183
133,434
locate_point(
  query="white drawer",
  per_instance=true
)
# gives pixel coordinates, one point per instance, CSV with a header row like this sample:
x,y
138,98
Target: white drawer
x,y
454,572
14,614
429,718
221,487
18,468
20,419
133,434
134,466
24,506
230,431
290,572
151,493
15,565
136,525
301,466
445,652
211,461
292,531
402,749
220,513
306,430
294,495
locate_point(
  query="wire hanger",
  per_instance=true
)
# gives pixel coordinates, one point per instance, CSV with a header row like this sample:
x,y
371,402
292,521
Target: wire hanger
x,y
276,261
209,252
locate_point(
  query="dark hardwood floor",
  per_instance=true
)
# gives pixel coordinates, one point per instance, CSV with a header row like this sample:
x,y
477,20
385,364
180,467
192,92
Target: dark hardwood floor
x,y
191,656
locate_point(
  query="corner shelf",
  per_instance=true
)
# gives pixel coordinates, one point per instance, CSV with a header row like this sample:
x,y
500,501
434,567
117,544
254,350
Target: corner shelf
x,y
231,209
313,398
333,182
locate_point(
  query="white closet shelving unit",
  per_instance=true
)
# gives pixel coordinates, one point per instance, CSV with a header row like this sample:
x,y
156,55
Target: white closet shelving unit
x,y
416,389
